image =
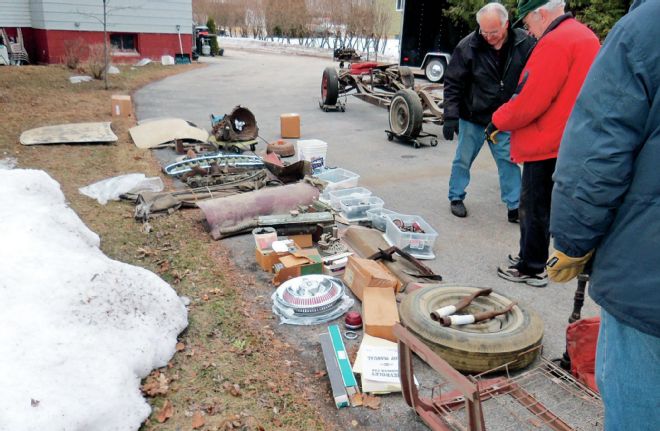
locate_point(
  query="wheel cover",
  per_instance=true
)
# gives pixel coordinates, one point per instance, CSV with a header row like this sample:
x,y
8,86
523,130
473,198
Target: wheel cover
x,y
435,70
399,115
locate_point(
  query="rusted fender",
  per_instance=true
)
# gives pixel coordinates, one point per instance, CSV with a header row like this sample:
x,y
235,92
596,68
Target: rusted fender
x,y
236,209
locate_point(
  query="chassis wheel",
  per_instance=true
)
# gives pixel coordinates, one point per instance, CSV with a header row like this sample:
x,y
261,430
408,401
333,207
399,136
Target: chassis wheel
x,y
435,70
407,76
329,86
406,114
479,346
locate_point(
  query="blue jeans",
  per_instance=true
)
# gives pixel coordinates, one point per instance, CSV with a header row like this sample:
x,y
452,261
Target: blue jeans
x,y
470,140
628,375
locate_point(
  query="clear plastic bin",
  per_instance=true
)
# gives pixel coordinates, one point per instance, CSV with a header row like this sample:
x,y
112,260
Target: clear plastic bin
x,y
355,209
354,192
418,244
377,217
337,178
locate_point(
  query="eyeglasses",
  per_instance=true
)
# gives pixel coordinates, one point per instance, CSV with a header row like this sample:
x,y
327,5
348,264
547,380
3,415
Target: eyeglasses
x,y
489,33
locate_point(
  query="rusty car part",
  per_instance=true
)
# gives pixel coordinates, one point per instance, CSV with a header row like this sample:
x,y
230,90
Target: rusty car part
x,y
282,148
448,310
365,242
424,271
200,178
239,125
225,161
466,319
545,397
238,209
329,244
315,224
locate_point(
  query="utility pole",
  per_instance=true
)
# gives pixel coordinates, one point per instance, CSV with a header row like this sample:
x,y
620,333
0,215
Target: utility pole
x,y
105,45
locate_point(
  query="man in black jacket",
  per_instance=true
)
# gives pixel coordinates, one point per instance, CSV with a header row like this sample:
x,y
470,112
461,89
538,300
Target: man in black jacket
x,y
482,75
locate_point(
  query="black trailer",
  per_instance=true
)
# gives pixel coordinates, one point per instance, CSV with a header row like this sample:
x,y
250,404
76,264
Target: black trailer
x,y
428,37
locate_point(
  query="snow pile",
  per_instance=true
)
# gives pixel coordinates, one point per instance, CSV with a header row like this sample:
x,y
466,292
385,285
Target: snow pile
x,y
78,330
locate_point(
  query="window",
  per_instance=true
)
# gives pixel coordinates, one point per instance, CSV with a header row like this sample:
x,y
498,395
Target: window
x,y
123,42
399,5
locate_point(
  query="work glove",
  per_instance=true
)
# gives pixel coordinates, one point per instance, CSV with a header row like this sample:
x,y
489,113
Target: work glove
x,y
449,128
562,268
491,133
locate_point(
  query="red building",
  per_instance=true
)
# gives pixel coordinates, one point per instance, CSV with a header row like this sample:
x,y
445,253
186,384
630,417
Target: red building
x,y
135,28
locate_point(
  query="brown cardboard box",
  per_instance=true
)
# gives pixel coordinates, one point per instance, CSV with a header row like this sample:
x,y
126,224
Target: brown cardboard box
x,y
290,125
361,273
379,312
267,258
303,240
301,262
121,106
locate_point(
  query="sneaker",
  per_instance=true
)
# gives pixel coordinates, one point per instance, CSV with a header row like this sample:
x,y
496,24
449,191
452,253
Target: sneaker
x,y
513,260
512,215
513,274
458,209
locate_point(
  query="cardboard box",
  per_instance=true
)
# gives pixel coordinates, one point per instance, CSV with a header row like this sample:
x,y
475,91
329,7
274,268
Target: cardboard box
x,y
301,262
290,125
121,106
267,258
303,240
379,312
361,273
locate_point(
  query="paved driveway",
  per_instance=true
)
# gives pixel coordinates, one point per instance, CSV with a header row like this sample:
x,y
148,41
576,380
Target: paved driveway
x,y
411,181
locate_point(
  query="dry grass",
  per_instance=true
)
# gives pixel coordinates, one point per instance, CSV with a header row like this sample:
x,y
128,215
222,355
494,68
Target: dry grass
x,y
231,367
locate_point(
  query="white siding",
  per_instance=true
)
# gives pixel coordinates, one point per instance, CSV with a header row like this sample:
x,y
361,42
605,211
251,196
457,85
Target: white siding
x,y
15,13
130,16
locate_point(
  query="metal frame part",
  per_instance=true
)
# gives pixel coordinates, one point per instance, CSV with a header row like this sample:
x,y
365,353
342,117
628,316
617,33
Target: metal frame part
x,y
544,397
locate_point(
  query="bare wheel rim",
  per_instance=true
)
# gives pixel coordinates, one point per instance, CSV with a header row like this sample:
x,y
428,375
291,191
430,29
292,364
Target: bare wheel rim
x,y
399,115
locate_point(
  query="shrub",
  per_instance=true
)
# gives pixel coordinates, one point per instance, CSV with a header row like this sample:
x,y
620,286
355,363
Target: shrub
x,y
73,52
96,61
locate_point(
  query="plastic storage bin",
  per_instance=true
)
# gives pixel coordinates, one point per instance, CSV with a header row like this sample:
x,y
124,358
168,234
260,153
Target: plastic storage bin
x,y
417,244
354,192
337,178
314,151
377,217
355,209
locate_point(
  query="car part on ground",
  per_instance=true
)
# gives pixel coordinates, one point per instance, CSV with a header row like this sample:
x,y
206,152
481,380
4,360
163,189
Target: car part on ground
x,y
310,299
475,348
239,125
220,160
74,133
448,310
164,131
544,397
423,271
282,148
314,223
390,86
231,212
199,177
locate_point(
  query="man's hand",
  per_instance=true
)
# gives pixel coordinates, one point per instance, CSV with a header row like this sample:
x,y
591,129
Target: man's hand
x,y
449,128
562,268
491,133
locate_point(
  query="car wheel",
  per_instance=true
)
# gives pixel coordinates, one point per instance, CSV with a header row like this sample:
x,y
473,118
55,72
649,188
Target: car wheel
x,y
435,69
478,347
406,114
329,86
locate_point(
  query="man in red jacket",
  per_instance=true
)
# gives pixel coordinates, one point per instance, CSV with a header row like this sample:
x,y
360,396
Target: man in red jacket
x,y
536,117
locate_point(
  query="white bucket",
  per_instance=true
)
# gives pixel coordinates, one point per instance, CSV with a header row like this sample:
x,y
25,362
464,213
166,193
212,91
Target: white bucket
x,y
314,151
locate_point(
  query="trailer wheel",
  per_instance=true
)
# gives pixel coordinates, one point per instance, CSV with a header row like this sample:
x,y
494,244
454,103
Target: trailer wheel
x,y
435,70
406,114
329,86
480,346
407,76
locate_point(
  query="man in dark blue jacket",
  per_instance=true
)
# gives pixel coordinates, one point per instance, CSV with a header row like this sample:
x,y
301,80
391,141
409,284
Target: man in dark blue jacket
x,y
482,75
606,203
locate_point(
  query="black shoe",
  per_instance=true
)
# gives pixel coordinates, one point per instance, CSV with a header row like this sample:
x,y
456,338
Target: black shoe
x,y
512,215
458,209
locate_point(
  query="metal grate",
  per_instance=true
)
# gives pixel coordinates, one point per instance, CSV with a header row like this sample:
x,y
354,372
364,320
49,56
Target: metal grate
x,y
543,398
